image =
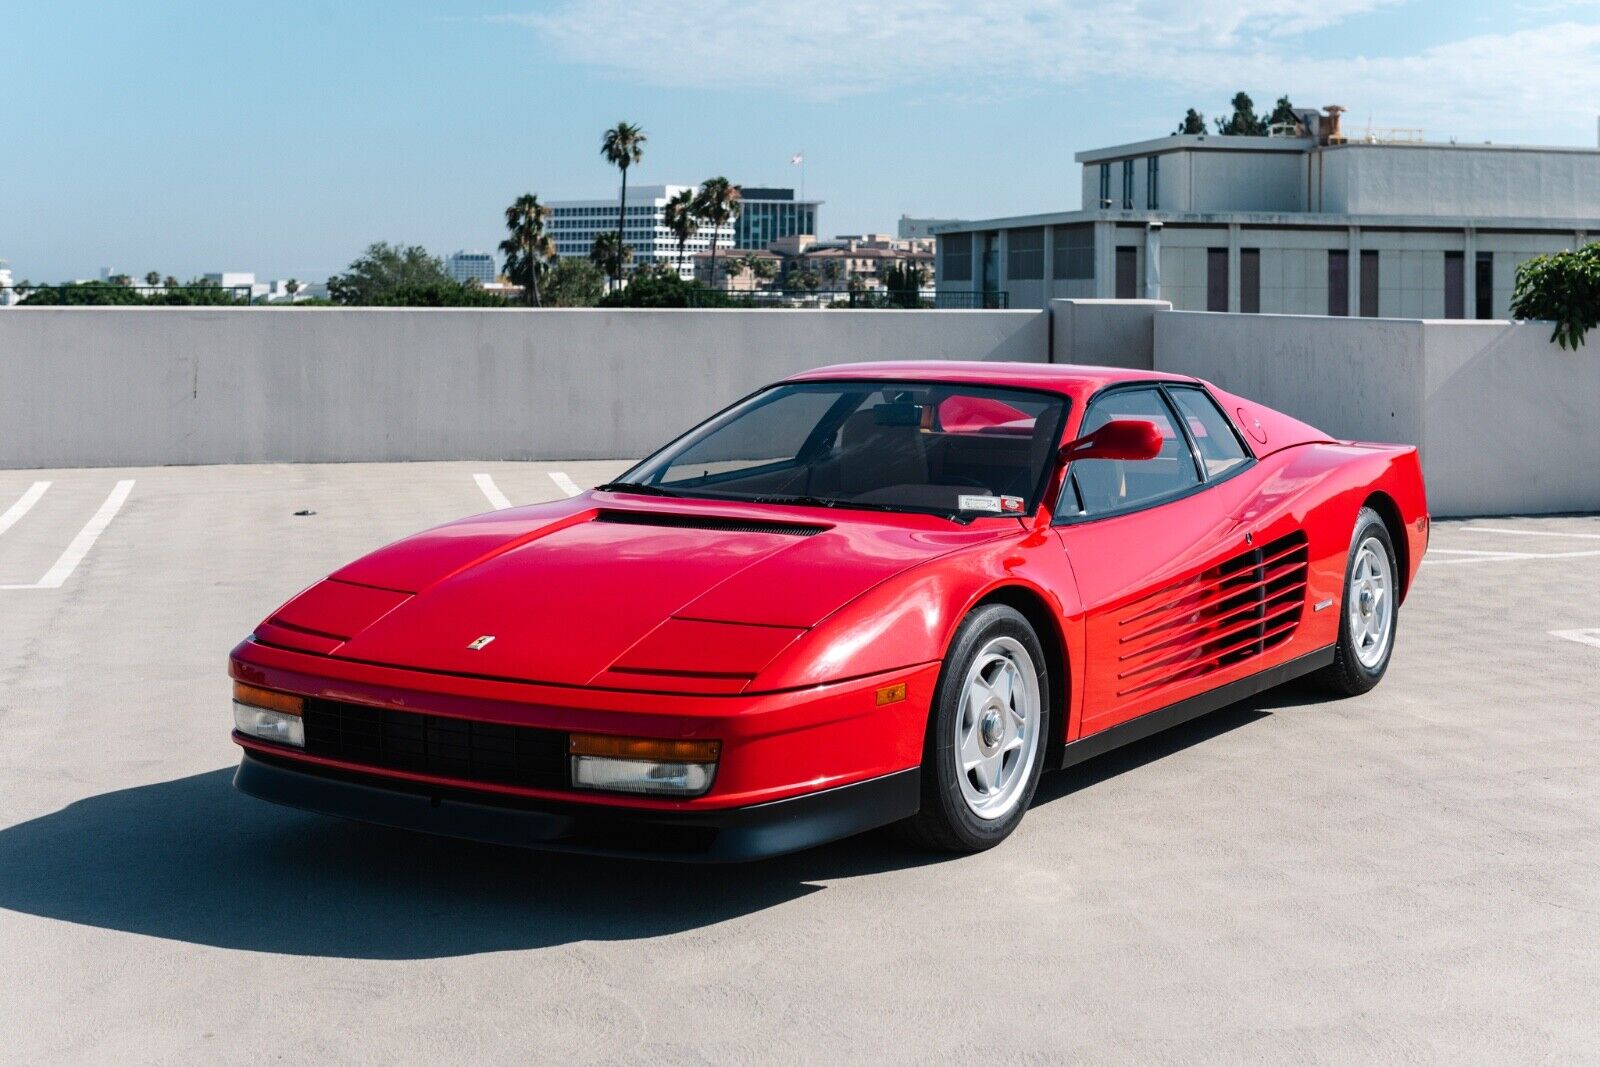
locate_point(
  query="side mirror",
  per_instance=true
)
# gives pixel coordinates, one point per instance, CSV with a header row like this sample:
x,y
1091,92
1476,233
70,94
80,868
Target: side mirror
x,y
1131,439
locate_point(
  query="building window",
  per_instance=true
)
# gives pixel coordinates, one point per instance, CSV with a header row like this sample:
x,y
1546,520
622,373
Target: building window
x,y
1250,280
1127,272
1127,185
1483,285
1338,281
1025,254
1105,185
1455,289
956,249
1152,183
1216,279
1074,253
1369,285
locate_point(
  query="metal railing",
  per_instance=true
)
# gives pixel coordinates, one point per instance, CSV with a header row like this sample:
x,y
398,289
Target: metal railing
x,y
865,299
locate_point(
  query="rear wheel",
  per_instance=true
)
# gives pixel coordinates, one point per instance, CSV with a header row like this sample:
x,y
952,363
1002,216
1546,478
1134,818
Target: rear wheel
x,y
985,744
1370,611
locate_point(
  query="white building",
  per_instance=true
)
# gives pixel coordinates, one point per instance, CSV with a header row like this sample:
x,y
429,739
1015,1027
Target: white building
x,y
7,297
467,267
574,224
1309,224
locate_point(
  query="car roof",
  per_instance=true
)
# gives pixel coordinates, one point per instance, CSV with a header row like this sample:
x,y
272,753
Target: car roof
x,y
1069,379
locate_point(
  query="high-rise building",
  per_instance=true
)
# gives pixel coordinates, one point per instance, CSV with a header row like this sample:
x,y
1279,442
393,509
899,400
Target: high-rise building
x,y
768,214
574,224
467,267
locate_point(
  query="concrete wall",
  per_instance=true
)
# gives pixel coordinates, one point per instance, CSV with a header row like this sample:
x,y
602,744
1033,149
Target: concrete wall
x,y
1104,333
1499,181
151,386
1504,419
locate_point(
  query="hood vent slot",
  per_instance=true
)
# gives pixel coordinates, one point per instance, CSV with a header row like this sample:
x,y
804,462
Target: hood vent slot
x,y
707,522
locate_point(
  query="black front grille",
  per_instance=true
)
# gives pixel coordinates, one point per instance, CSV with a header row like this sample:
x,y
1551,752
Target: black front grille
x,y
434,744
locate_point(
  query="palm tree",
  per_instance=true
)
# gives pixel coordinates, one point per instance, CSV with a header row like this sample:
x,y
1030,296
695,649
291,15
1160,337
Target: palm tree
x,y
623,146
152,279
679,216
292,286
529,248
717,205
763,268
733,268
610,254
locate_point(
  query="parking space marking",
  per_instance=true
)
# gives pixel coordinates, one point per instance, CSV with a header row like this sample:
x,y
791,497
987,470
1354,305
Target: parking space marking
x,y
62,569
497,499
565,484
21,507
1530,533
1504,557
1583,637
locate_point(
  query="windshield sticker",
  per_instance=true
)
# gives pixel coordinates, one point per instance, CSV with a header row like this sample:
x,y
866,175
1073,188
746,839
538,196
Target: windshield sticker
x,y
978,503
1011,504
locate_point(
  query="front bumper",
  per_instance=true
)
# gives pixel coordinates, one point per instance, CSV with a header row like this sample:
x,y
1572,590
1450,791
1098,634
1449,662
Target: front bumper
x,y
718,835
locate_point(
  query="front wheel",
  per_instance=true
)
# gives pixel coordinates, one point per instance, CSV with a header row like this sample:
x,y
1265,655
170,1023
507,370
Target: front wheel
x,y
985,744
1370,610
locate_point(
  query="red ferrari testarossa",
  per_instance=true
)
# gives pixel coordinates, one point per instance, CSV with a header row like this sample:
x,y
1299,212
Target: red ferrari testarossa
x,y
870,594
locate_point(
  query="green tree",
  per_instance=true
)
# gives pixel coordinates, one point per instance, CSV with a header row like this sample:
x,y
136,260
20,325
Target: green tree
x,y
680,219
622,146
384,271
1283,111
661,287
292,286
1563,288
610,255
1243,122
904,282
717,205
120,279
832,271
169,282
573,283
528,248
153,278
801,281
765,268
1192,123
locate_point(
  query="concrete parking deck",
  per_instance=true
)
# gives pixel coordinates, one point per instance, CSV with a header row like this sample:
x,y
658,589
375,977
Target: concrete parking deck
x,y
1413,875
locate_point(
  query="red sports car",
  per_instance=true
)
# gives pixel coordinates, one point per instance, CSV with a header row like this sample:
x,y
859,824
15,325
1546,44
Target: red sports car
x,y
870,594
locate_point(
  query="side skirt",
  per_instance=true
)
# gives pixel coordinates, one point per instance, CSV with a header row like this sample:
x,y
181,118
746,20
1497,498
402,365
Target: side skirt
x,y
1154,722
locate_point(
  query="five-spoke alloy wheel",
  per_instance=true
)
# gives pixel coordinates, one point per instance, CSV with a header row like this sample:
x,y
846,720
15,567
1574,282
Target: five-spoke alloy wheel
x,y
1371,610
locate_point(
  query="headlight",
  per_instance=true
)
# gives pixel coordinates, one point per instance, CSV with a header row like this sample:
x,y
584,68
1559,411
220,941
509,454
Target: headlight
x,y
643,765
269,715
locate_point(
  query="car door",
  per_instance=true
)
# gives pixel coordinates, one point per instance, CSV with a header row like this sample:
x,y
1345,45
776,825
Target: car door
x,y
1158,553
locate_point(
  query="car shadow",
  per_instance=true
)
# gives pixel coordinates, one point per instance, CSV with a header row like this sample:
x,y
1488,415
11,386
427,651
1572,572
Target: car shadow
x,y
192,860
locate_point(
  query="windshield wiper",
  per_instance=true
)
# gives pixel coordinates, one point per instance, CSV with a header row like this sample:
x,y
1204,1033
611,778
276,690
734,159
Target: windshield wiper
x,y
635,487
831,502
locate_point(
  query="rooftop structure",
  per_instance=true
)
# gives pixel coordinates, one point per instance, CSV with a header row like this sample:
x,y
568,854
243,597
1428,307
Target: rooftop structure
x,y
1314,223
768,214
467,267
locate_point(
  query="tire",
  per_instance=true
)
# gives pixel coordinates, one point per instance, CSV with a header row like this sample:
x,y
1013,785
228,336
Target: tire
x,y
982,755
1369,611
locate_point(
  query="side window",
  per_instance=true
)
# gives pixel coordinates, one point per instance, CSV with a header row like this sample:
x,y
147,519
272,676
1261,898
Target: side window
x,y
1219,446
1106,485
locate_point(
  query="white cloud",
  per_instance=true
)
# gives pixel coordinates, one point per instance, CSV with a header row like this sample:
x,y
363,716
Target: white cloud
x,y
829,50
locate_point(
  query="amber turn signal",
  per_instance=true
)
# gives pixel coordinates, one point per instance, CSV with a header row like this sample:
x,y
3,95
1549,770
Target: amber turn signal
x,y
271,699
892,694
644,748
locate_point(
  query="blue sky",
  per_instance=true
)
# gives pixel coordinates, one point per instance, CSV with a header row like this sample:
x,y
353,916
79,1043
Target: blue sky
x,y
283,138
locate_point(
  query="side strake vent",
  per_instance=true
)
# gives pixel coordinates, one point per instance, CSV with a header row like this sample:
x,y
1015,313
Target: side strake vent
x,y
1225,615
707,522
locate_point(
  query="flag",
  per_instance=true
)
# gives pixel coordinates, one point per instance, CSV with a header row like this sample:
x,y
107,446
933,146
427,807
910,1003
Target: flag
x,y
798,157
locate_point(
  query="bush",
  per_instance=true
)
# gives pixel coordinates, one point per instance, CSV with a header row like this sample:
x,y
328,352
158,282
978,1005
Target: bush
x,y
1563,288
663,289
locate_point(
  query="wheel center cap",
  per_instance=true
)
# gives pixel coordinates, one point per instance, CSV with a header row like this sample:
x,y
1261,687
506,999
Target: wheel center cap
x,y
1366,602
992,727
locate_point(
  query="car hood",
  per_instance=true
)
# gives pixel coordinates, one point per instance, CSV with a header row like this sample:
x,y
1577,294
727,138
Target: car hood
x,y
595,591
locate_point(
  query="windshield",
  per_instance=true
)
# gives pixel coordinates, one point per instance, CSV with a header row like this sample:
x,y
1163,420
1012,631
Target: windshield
x,y
939,447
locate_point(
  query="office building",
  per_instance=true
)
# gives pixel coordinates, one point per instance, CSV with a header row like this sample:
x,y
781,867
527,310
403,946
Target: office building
x,y
767,215
574,224
467,267
1307,222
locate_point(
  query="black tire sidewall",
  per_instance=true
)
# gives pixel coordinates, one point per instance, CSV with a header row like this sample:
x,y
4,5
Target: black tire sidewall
x,y
941,785
1368,525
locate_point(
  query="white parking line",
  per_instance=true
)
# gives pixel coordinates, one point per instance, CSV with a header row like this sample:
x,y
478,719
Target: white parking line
x,y
21,507
565,484
1529,533
1583,637
62,569
1502,557
497,499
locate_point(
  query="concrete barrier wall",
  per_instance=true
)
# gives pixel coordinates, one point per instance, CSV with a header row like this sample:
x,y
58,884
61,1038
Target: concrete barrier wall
x,y
1105,333
151,386
1505,421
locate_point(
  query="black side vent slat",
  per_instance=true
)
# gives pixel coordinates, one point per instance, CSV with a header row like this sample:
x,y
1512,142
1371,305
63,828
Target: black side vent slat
x,y
707,522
